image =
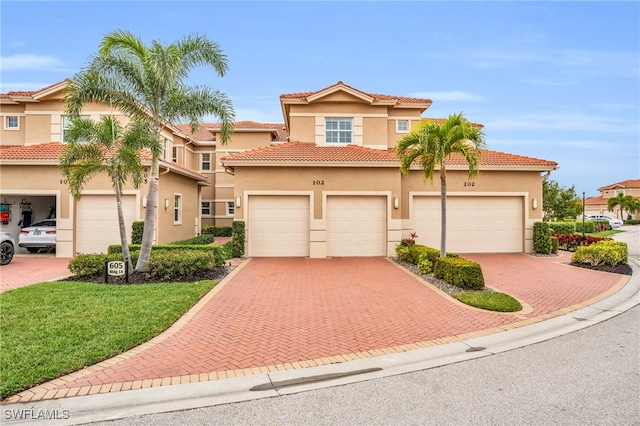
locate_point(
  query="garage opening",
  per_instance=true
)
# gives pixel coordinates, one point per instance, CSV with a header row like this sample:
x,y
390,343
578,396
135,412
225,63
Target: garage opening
x,y
278,226
24,210
356,226
474,224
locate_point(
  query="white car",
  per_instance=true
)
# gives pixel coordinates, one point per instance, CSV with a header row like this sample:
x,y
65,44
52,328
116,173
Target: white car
x,y
40,235
7,247
614,223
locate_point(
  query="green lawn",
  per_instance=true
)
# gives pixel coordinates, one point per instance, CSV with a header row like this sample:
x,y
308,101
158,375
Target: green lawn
x,y
52,329
492,301
605,233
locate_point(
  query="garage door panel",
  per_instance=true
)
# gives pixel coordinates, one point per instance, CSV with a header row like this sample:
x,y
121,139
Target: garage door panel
x,y
474,224
97,222
278,226
356,226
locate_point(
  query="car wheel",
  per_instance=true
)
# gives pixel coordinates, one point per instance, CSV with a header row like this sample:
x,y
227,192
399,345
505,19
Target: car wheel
x,y
7,253
32,249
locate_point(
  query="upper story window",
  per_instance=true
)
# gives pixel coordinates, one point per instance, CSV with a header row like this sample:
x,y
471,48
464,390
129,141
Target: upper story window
x,y
205,208
402,126
338,130
66,122
205,161
174,154
12,123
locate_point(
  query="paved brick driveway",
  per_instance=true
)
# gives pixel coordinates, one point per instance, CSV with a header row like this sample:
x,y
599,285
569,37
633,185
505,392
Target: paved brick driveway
x,y
278,314
26,269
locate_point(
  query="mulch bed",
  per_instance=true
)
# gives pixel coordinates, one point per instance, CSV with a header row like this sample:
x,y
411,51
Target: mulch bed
x,y
622,268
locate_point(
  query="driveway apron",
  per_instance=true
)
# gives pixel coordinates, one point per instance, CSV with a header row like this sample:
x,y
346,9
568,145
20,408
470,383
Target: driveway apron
x,y
286,313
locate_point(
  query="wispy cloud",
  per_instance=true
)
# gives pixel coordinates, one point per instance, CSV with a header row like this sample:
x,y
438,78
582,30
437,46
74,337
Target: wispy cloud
x,y
564,121
8,86
31,62
452,95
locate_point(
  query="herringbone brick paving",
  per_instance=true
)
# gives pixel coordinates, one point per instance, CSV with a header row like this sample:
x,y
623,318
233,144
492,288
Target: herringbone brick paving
x,y
284,313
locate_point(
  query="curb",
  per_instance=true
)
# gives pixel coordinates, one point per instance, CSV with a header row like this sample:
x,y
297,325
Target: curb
x,y
118,405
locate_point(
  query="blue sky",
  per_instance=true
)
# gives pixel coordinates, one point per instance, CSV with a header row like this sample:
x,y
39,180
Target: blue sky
x,y
552,80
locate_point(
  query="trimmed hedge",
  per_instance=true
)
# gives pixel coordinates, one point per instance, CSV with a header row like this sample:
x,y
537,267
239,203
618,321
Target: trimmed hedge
x,y
459,272
554,244
217,231
237,236
203,239
541,238
563,227
414,252
603,252
136,232
217,251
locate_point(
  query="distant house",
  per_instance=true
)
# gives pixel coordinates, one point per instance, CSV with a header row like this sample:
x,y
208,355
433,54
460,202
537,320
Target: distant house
x,y
598,205
325,182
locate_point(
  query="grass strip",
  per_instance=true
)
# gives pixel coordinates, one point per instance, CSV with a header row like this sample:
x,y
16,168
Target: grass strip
x,y
491,301
54,328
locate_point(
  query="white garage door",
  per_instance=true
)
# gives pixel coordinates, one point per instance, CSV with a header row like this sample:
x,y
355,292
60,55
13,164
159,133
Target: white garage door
x,y
474,224
97,222
278,226
356,226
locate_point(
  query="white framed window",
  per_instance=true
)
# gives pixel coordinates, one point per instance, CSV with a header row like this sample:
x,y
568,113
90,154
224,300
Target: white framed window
x,y
177,209
165,148
231,208
66,122
12,122
402,126
205,161
205,208
338,130
174,154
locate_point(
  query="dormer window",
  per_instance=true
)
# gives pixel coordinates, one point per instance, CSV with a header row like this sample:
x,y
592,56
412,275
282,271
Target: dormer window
x,y
339,130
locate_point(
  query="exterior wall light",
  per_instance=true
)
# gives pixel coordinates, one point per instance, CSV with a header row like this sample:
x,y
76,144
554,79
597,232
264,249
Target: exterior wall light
x,y
237,201
396,203
166,203
534,204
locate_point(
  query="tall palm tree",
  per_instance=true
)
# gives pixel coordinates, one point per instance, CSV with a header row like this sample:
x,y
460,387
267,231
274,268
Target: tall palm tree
x,y
147,82
105,146
617,201
430,144
631,205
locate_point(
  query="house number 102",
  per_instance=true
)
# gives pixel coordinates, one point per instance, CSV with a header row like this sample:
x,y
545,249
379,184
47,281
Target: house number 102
x,y
318,182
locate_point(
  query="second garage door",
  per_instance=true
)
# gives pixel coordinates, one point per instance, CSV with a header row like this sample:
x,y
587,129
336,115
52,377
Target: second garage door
x,y
356,226
474,224
278,226
97,222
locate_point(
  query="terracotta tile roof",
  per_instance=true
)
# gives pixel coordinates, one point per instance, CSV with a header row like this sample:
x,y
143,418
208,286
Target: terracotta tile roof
x,y
376,96
203,133
310,152
27,93
43,151
595,200
631,183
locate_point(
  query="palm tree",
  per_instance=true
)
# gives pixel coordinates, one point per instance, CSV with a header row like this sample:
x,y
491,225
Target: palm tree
x,y
631,205
430,144
147,82
613,202
105,146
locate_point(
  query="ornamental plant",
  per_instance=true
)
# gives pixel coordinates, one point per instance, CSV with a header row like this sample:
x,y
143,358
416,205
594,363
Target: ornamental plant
x,y
607,252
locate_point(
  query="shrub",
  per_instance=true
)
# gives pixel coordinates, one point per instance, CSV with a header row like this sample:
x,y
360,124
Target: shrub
x,y
633,222
572,241
541,238
554,244
203,239
166,265
218,252
404,253
238,238
459,272
563,227
424,265
217,231
136,232
603,252
92,264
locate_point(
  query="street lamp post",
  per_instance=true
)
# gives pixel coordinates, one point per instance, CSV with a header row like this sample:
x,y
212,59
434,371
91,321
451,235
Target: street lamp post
x,y
583,214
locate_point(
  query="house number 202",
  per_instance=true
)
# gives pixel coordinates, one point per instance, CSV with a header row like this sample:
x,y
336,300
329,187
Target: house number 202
x,y
318,182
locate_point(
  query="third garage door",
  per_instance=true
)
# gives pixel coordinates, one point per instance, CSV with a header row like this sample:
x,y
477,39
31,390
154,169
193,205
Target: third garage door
x,y
356,226
474,224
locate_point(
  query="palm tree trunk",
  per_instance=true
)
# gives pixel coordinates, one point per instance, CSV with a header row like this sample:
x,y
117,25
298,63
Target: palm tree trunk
x,y
150,215
123,229
443,211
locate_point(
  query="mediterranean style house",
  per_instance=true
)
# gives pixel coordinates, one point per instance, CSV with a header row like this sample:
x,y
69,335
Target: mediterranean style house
x,y
598,205
323,183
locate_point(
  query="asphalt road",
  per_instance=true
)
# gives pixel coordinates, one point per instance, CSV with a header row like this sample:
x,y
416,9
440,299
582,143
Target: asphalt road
x,y
589,377
631,236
